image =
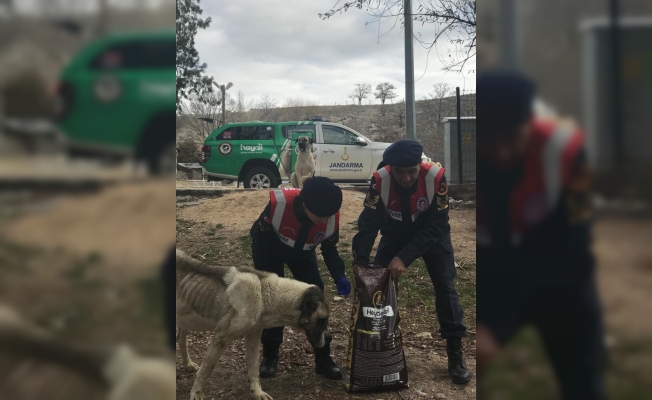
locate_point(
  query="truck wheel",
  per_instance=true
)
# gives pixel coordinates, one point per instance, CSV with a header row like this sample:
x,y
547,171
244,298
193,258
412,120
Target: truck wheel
x,y
260,178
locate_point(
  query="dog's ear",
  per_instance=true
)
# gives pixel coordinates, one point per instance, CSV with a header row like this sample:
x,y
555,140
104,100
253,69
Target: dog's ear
x,y
310,301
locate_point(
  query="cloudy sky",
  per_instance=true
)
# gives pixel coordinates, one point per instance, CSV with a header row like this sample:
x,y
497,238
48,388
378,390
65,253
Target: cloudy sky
x,y
283,49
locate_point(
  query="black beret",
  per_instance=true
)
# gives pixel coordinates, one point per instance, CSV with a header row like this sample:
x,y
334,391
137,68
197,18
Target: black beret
x,y
404,153
504,100
321,196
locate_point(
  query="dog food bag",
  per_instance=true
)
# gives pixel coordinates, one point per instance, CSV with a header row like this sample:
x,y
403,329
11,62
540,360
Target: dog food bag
x,y
375,360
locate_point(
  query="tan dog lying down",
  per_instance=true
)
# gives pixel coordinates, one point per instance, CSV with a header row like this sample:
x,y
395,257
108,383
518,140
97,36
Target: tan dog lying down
x,y
304,168
126,375
235,302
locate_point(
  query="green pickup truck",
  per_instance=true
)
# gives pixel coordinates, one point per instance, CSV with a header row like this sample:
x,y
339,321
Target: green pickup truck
x,y
260,154
117,98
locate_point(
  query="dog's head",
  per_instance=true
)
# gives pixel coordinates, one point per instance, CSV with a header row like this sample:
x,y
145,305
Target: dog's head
x,y
314,316
304,142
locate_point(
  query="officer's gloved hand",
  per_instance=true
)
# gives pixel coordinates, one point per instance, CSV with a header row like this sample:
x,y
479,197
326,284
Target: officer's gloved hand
x,y
343,286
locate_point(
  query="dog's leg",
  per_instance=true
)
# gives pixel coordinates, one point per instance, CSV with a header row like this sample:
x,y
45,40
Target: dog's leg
x,y
252,342
215,350
183,348
293,180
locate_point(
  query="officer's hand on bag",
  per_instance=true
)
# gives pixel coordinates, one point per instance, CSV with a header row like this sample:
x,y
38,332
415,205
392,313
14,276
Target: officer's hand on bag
x,y
343,286
396,267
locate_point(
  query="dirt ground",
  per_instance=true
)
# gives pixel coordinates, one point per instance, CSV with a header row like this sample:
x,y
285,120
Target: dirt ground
x,y
624,278
217,232
86,269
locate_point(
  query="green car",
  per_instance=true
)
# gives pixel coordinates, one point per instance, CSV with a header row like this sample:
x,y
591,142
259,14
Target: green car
x,y
262,154
117,98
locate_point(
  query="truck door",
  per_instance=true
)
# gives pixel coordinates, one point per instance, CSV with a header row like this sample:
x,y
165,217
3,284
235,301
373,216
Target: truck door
x,y
344,155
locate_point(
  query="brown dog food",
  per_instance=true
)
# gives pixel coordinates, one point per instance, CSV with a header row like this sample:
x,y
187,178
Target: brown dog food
x,y
375,360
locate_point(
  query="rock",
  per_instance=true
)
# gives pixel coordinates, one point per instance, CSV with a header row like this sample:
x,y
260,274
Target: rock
x,y
420,393
440,396
424,335
338,298
469,205
455,204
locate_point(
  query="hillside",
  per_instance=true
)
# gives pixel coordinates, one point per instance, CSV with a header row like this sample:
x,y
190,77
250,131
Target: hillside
x,y
369,120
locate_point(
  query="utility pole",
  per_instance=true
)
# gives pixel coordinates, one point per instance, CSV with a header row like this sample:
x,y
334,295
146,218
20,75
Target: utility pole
x,y
410,117
616,82
223,89
509,34
103,19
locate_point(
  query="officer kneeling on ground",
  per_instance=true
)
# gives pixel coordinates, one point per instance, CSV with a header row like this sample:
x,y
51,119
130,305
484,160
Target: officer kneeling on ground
x,y
287,232
408,202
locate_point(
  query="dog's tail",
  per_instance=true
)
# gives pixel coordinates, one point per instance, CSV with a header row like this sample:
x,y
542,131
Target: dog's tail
x,y
187,264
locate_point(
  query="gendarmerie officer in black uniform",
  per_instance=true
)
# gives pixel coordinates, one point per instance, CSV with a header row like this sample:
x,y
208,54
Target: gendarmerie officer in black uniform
x,y
535,264
408,202
292,225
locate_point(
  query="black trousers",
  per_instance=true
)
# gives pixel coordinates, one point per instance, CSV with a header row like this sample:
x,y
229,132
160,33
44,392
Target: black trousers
x,y
440,264
565,310
302,264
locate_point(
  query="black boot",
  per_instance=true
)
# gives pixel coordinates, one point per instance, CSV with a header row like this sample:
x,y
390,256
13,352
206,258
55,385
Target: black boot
x,y
456,366
324,364
270,360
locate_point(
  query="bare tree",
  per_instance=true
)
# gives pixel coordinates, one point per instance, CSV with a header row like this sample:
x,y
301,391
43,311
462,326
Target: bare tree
x,y
441,105
384,92
264,109
389,134
209,107
401,114
361,91
297,108
240,106
455,20
189,151
353,98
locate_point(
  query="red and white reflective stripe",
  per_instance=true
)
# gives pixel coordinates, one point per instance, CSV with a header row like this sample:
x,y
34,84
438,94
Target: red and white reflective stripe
x,y
330,227
384,185
552,163
287,240
280,210
430,183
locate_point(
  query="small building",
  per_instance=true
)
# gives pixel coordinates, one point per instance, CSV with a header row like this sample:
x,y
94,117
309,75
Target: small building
x,y
192,171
